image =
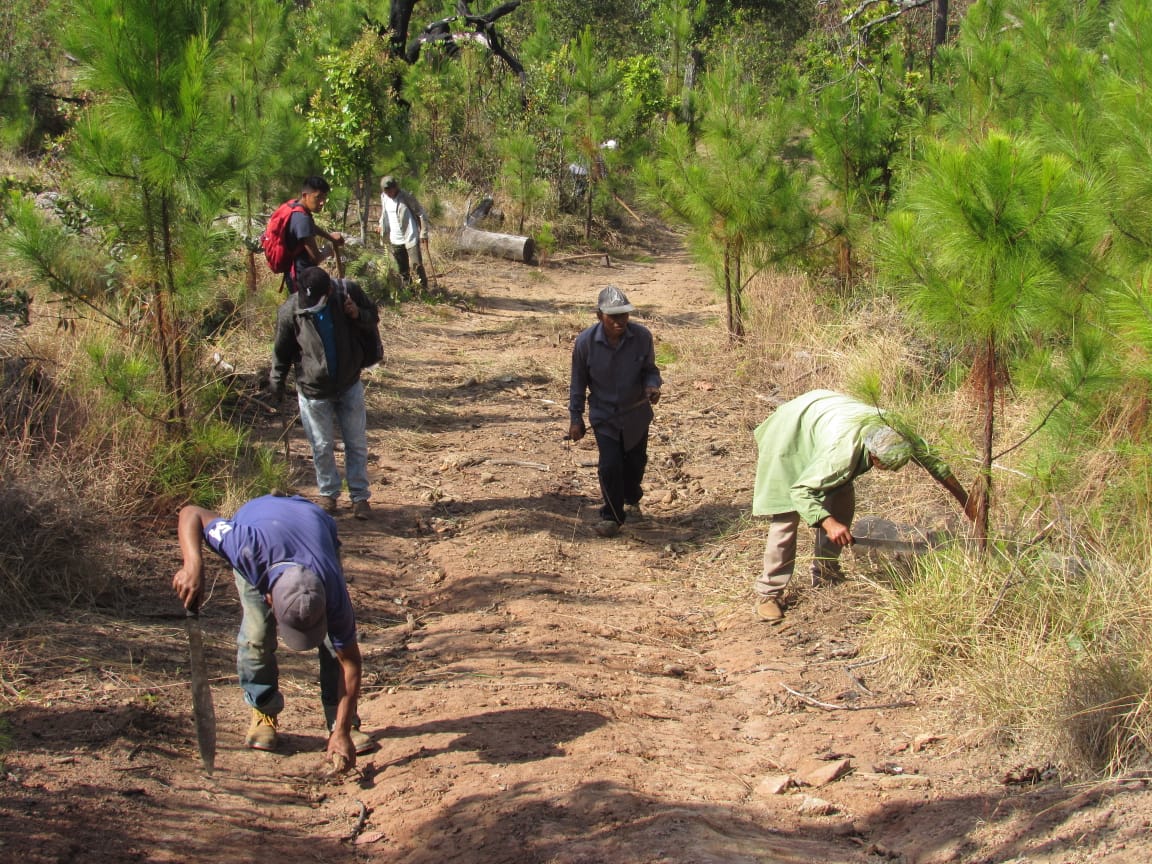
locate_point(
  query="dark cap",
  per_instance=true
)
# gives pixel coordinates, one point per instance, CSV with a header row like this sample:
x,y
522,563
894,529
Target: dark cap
x,y
300,607
313,285
613,302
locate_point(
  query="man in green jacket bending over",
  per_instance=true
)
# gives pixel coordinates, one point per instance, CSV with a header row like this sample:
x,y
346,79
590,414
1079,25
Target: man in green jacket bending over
x,y
810,451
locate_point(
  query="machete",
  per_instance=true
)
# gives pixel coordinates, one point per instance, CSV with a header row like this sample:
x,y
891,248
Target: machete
x,y
203,711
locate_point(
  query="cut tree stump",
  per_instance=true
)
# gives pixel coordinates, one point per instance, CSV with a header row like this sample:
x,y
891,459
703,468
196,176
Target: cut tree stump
x,y
509,246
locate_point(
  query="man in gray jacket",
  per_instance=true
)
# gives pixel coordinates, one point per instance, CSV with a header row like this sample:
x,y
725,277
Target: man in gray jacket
x,y
315,332
404,225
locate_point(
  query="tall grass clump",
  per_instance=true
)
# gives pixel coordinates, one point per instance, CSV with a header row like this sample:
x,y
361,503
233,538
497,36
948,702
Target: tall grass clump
x,y
1052,645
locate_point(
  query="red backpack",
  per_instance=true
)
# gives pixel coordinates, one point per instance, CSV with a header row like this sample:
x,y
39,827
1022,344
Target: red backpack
x,y
279,256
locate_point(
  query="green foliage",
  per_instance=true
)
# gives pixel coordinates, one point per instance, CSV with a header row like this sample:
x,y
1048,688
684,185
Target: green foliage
x,y
28,113
741,199
592,111
991,248
199,468
519,175
988,239
678,24
354,110
643,87
270,139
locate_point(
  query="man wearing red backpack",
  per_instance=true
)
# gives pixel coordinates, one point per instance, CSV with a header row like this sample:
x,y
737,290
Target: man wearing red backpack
x,y
301,232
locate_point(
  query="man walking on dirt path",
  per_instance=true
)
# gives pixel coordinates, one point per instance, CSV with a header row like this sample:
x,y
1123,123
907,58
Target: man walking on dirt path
x,y
314,333
614,365
285,557
810,451
303,230
404,225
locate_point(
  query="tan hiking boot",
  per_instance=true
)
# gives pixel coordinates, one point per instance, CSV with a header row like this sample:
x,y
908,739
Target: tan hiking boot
x,y
262,732
362,509
330,504
770,610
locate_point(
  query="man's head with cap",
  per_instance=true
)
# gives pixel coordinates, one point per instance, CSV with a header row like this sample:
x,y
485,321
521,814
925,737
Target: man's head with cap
x,y
612,301
313,285
389,185
300,608
890,449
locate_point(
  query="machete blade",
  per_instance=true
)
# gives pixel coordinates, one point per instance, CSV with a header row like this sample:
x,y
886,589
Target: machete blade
x,y
203,711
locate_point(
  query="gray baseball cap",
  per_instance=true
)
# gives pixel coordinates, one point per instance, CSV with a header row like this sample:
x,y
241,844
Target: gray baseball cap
x,y
612,301
300,607
388,182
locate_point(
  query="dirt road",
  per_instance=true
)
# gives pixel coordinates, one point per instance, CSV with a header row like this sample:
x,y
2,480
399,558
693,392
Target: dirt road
x,y
537,693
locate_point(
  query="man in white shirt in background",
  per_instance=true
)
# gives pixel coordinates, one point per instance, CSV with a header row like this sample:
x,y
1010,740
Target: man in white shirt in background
x,y
404,224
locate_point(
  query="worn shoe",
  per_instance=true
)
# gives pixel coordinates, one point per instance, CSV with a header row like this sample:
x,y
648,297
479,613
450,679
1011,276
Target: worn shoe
x,y
362,509
770,610
330,504
633,513
362,742
607,528
262,732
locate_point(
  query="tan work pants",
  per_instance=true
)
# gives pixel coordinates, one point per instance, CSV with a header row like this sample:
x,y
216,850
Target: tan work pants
x,y
780,545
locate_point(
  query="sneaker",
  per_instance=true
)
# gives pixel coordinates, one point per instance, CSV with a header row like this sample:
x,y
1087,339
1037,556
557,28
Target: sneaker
x,y
262,732
607,528
633,513
362,509
770,610
330,504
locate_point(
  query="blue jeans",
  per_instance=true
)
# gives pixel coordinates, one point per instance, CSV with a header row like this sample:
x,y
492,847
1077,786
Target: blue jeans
x,y
256,657
319,418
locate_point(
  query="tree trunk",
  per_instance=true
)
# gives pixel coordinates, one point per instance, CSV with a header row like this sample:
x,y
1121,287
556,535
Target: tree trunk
x,y
989,400
509,246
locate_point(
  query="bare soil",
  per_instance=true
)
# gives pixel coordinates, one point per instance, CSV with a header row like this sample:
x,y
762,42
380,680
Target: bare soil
x,y
536,693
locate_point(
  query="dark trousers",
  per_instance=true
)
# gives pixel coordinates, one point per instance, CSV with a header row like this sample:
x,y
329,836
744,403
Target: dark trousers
x,y
404,265
621,472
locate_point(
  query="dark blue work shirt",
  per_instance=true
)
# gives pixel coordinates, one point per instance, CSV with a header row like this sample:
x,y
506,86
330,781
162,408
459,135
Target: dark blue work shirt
x,y
614,380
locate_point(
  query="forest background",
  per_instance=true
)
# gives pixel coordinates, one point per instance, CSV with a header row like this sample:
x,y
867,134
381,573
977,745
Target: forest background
x,y
978,169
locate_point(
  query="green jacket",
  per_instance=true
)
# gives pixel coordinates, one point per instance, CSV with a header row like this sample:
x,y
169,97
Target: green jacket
x,y
814,444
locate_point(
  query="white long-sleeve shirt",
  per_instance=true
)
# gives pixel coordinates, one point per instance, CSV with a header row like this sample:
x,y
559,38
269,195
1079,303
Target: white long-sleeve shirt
x,y
402,219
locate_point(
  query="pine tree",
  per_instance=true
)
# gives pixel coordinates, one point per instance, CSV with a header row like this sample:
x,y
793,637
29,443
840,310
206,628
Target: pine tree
x,y
154,155
742,200
990,247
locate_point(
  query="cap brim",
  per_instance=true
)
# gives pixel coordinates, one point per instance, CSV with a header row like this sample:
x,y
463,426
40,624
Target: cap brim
x,y
617,310
303,640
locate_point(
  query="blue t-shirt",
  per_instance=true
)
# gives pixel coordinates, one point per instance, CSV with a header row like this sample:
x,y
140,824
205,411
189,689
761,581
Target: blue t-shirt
x,y
271,533
301,226
322,318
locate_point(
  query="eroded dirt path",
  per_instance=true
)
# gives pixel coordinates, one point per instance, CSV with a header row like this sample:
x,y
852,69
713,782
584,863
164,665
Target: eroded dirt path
x,y
537,694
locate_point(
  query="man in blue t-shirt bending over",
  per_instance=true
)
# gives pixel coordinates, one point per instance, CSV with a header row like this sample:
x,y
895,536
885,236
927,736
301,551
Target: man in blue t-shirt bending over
x,y
285,556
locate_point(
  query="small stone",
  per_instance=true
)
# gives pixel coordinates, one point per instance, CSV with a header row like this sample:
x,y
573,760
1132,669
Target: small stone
x,y
922,741
811,806
487,477
827,773
775,784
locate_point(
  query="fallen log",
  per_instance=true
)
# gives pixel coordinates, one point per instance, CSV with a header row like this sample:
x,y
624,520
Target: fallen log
x,y
508,246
